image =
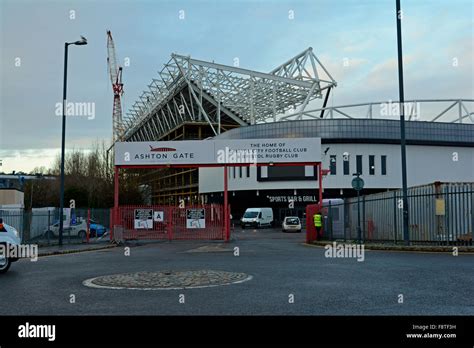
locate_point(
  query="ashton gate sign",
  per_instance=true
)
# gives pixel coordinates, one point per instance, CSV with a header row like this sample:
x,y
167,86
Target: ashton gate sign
x,y
219,152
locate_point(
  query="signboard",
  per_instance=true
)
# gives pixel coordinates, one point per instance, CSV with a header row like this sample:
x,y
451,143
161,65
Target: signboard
x,y
440,207
143,219
357,184
158,216
195,218
215,152
288,199
73,217
66,217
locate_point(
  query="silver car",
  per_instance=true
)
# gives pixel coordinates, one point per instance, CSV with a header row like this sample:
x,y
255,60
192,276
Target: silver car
x,y
291,224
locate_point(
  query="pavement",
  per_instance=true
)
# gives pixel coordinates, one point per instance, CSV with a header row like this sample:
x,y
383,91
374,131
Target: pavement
x,y
287,278
47,250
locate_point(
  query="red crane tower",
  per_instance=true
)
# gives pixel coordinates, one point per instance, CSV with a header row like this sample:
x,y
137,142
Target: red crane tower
x,y
115,72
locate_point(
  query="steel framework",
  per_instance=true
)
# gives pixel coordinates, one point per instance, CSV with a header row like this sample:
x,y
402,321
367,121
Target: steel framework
x,y
191,90
430,110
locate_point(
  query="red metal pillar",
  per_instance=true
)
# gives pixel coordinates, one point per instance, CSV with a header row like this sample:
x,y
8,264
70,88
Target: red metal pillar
x,y
116,201
320,180
226,212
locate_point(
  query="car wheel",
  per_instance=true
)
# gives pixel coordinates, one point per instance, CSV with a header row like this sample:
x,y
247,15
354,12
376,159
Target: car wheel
x,y
4,264
82,234
49,234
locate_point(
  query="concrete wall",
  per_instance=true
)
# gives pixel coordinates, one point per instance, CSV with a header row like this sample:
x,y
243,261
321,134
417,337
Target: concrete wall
x,y
426,164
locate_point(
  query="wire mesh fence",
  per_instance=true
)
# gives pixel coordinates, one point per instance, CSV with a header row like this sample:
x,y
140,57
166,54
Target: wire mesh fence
x,y
41,225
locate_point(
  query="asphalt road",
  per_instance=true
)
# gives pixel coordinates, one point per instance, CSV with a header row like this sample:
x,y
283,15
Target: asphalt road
x,y
431,284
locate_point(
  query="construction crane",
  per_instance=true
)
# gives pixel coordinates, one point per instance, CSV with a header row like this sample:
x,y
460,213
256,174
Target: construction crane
x,y
115,73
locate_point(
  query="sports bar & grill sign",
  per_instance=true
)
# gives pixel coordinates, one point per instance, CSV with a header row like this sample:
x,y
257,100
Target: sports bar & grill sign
x,y
215,152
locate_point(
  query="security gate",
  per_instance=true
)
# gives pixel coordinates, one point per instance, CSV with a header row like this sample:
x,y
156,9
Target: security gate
x,y
172,222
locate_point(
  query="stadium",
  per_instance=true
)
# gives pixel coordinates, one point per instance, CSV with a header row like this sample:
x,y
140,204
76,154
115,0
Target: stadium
x,y
197,100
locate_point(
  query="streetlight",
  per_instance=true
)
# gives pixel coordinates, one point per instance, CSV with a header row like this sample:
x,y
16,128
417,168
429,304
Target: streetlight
x,y
406,235
82,41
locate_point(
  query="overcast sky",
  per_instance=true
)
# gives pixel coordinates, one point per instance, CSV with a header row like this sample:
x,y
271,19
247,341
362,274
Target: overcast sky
x,y
437,44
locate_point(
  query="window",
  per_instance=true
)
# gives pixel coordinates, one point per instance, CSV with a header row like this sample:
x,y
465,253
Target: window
x,y
332,164
346,166
359,164
248,171
384,165
240,172
371,165
233,169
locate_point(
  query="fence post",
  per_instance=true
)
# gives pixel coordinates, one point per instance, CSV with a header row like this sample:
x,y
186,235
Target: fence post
x,y
49,224
88,225
439,220
330,220
446,212
472,211
170,224
111,223
364,220
346,217
395,232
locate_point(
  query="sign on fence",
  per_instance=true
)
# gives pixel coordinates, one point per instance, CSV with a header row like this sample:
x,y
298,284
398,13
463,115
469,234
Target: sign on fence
x,y
66,217
158,216
440,206
143,218
195,218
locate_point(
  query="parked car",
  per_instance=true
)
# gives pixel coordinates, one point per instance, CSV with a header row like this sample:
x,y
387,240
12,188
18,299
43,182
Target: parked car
x,y
8,236
79,229
257,217
76,230
291,224
96,229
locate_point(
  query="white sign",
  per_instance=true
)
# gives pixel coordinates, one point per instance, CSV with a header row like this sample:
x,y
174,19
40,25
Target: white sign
x,y
214,152
143,219
158,216
195,218
66,217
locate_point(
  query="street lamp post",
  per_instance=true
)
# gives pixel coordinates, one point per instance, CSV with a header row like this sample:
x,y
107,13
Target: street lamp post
x,y
406,235
82,41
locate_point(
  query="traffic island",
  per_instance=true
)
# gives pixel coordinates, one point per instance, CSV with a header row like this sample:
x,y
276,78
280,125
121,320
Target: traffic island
x,y
167,280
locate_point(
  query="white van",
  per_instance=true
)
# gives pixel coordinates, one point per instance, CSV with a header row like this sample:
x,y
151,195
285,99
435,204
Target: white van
x,y
257,217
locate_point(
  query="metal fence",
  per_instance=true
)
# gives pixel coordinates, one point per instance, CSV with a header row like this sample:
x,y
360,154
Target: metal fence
x,y
171,222
41,225
440,213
